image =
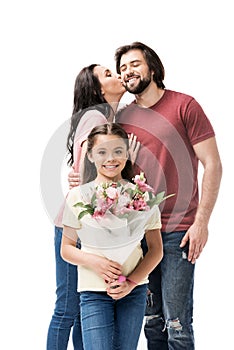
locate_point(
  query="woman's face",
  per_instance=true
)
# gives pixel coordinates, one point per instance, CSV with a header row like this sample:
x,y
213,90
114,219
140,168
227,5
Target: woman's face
x,y
109,154
112,87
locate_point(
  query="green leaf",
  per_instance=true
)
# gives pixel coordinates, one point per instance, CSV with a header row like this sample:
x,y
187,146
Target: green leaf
x,y
150,195
129,191
79,204
85,212
159,198
82,205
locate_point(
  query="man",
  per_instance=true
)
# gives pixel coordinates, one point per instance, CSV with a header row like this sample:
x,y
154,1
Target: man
x,y
175,135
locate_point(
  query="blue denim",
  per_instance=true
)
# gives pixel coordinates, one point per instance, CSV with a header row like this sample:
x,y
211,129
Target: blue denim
x,y
67,311
169,308
109,324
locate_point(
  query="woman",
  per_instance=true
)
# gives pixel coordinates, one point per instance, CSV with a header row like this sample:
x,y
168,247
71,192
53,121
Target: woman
x,y
97,93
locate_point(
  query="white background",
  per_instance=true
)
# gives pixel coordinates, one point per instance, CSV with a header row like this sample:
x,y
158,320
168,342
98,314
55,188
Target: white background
x,y
44,44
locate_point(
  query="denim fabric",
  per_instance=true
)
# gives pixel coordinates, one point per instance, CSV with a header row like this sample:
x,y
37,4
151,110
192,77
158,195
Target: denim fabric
x,y
67,311
112,325
169,308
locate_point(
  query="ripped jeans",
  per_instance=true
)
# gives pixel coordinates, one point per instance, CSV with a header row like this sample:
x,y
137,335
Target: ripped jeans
x,y
169,311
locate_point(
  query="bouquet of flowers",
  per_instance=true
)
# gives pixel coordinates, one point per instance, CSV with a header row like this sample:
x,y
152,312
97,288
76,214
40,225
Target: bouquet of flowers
x,y
117,216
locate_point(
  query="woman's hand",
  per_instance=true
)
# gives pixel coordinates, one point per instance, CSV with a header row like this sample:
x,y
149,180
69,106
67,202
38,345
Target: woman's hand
x,y
73,178
134,147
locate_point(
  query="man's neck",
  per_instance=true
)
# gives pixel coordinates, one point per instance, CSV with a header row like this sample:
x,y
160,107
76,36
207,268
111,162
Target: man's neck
x,y
150,96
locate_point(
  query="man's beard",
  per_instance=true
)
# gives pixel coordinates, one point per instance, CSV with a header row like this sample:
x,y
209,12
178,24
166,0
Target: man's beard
x,y
140,87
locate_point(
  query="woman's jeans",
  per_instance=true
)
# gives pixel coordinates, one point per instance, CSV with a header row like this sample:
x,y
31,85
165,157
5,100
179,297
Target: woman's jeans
x,y
169,308
109,324
67,311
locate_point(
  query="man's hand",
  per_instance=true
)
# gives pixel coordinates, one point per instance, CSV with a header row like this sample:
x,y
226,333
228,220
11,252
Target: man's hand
x,y
197,235
134,147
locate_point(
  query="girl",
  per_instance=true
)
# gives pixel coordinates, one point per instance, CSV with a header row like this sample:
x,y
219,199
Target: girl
x,y
112,307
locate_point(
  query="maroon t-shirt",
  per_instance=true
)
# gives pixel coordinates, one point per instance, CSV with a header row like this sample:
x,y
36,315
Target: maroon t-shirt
x,y
167,132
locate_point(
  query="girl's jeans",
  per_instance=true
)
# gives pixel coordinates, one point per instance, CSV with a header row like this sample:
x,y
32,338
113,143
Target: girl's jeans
x,y
67,311
109,324
169,308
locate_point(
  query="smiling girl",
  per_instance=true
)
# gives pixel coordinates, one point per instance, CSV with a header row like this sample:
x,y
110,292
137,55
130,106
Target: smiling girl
x,y
112,307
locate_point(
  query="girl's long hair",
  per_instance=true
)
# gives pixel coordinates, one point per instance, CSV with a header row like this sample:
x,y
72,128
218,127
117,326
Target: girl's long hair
x,y
90,172
87,95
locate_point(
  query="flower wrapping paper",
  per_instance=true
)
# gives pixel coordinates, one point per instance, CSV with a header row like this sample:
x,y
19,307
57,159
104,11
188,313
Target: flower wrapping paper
x,y
112,236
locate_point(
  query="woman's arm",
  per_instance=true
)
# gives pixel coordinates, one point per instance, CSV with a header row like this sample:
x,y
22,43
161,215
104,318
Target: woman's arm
x,y
105,268
150,261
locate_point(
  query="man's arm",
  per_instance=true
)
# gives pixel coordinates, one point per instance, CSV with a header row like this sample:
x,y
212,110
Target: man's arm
x,y
197,235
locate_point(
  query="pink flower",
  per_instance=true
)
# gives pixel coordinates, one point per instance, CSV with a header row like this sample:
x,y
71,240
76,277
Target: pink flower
x,y
98,214
140,205
140,181
112,192
121,199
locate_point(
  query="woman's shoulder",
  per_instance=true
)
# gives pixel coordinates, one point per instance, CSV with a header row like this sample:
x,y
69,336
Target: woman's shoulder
x,y
92,114
89,120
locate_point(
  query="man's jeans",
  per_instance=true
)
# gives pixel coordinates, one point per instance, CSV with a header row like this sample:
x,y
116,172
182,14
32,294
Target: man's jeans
x,y
169,308
67,310
109,324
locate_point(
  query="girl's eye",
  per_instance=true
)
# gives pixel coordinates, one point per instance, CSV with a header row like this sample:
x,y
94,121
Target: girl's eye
x,y
119,152
101,153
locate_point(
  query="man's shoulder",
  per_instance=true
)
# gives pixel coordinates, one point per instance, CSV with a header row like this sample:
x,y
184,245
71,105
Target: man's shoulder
x,y
178,95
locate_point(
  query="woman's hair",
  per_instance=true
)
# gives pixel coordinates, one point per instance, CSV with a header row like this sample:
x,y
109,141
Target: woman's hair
x,y
152,59
90,172
87,95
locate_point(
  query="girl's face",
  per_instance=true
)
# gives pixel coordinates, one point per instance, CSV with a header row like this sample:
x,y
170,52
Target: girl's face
x,y
109,154
112,87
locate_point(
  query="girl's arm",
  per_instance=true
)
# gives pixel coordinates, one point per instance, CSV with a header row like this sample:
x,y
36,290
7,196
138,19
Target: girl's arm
x,y
150,261
105,268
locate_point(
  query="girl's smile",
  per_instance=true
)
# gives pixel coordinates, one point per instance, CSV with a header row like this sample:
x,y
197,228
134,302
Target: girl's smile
x,y
109,155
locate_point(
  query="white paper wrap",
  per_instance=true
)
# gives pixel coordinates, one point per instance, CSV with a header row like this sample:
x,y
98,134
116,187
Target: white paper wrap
x,y
115,237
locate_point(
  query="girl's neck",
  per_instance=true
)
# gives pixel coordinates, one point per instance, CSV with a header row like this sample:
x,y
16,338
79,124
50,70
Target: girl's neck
x,y
103,179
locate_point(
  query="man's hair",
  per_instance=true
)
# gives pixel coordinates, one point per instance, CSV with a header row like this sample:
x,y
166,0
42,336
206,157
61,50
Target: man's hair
x,y
152,59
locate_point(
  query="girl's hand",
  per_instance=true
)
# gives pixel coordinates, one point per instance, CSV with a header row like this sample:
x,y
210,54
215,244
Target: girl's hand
x,y
73,178
117,290
134,147
107,269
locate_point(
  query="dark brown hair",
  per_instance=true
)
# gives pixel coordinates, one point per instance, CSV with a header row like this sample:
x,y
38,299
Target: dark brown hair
x,y
152,59
87,95
90,172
